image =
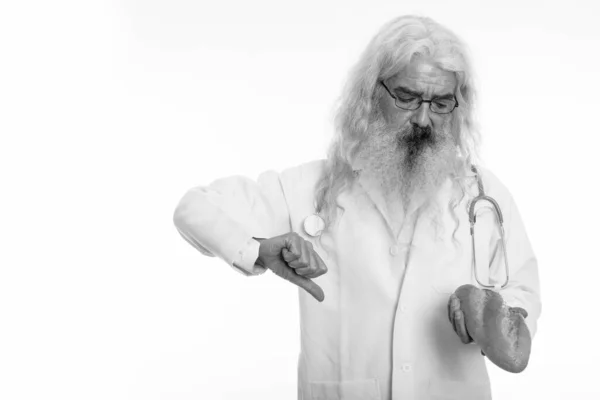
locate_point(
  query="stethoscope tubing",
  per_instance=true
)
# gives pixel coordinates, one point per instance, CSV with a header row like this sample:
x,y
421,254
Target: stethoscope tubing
x,y
500,221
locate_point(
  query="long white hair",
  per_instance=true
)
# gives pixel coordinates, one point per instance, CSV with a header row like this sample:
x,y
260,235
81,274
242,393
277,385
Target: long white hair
x,y
388,53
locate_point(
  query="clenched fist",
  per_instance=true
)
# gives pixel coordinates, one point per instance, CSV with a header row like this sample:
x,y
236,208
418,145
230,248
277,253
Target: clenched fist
x,y
293,258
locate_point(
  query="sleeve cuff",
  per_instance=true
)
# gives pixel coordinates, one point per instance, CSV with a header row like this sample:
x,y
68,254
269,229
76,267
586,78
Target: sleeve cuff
x,y
245,261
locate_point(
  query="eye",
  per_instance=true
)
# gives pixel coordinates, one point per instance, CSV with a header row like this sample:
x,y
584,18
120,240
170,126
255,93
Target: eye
x,y
406,98
443,105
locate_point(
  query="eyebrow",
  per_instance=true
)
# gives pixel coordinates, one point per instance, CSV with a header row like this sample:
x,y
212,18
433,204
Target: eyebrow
x,y
420,94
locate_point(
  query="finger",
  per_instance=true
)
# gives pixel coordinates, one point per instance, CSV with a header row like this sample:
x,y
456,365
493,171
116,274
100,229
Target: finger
x,y
299,254
451,314
309,260
318,262
288,256
454,306
305,265
306,254
461,329
458,326
313,270
312,288
295,243
299,263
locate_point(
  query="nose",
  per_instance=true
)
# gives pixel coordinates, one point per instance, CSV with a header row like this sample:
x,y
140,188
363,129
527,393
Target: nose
x,y
421,116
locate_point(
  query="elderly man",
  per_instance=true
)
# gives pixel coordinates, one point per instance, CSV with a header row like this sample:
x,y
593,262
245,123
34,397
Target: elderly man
x,y
378,235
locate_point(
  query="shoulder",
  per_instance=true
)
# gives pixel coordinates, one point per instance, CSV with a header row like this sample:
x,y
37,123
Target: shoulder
x,y
306,174
301,177
299,183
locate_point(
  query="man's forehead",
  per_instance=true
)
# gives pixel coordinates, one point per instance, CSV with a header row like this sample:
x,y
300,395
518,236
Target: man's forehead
x,y
424,75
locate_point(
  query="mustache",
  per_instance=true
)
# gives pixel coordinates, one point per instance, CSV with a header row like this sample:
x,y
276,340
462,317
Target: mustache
x,y
414,142
417,137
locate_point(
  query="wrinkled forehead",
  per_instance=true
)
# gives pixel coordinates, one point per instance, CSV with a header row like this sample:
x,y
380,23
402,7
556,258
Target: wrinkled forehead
x,y
423,75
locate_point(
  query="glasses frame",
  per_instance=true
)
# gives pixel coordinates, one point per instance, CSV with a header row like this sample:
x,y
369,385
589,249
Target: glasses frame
x,y
420,102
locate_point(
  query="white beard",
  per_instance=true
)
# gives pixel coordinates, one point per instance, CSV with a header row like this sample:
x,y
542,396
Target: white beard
x,y
410,169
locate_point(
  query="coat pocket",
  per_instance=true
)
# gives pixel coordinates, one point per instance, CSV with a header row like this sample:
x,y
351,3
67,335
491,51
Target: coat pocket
x,y
458,390
365,389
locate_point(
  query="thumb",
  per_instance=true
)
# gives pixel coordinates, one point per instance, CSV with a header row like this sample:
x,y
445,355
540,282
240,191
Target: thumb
x,y
519,310
312,288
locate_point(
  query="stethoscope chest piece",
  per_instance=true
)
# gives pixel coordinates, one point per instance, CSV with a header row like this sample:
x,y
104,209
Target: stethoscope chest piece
x,y
314,225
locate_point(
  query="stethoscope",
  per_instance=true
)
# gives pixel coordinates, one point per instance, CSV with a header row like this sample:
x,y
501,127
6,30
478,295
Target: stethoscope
x,y
499,220
313,226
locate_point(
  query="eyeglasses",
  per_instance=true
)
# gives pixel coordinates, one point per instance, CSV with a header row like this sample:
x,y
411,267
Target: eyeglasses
x,y
410,102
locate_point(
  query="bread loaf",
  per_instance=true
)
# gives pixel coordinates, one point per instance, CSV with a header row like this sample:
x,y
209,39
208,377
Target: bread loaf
x,y
501,334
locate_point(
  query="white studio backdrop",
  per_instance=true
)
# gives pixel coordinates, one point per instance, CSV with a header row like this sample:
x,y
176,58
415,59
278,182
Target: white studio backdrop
x,y
110,111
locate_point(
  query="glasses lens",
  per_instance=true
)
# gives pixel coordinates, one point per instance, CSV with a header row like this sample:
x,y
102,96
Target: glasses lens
x,y
443,106
408,104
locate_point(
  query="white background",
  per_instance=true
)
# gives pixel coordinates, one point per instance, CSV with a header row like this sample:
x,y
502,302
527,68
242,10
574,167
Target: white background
x,y
109,112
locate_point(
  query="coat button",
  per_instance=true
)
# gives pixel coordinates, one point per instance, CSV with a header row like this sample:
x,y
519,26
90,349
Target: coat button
x,y
403,308
394,250
406,368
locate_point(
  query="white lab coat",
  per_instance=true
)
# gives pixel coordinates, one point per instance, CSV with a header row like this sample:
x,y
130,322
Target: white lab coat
x,y
383,331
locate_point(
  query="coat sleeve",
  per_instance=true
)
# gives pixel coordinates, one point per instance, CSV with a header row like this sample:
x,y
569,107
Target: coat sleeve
x,y
221,218
523,289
